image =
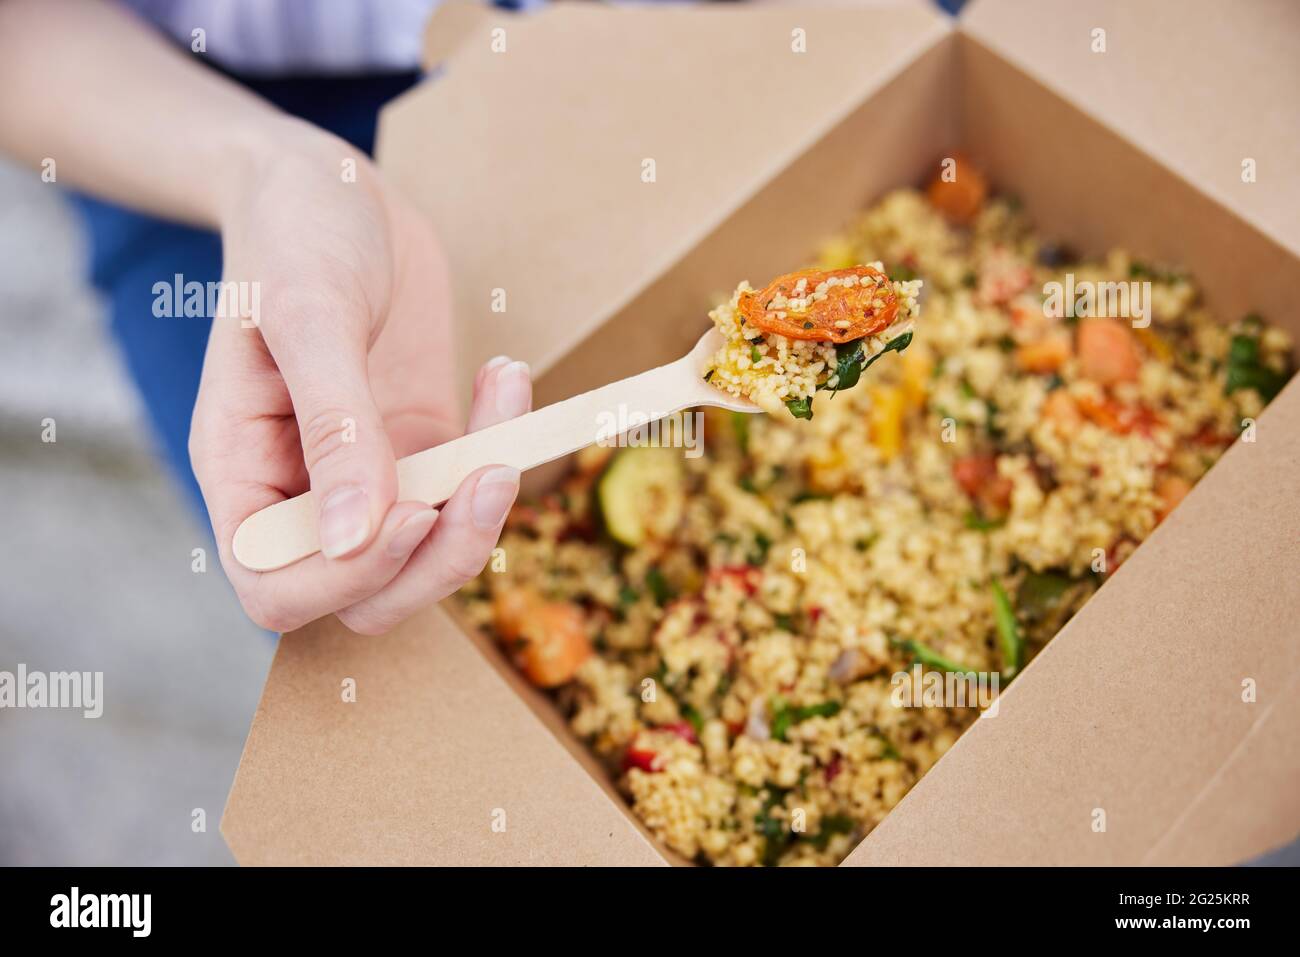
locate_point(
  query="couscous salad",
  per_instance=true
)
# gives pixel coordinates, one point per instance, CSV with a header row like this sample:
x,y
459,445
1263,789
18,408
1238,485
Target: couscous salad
x,y
809,331
725,630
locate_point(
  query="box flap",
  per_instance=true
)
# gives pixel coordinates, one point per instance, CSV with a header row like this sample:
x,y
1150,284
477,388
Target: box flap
x,y
662,123
1139,709
436,761
1202,86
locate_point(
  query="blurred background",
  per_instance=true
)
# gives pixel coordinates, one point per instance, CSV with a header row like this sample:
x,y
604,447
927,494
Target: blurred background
x,y
95,575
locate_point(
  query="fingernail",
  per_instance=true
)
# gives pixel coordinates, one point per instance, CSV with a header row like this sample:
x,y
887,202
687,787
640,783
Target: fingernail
x,y
493,495
411,533
514,389
344,521
494,362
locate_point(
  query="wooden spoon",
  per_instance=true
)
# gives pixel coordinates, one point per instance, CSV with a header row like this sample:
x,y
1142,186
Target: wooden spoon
x,y
287,531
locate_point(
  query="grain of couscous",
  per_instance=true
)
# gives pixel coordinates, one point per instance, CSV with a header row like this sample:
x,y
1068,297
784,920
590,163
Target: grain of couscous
x,y
730,654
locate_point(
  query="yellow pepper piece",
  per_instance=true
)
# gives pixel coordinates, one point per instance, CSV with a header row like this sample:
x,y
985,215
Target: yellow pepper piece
x,y
917,367
1155,344
885,420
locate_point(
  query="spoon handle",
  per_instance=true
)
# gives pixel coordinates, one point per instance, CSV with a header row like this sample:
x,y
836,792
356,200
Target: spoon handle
x,y
287,531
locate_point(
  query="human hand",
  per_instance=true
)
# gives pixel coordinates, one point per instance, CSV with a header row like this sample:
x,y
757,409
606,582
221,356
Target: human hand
x,y
348,368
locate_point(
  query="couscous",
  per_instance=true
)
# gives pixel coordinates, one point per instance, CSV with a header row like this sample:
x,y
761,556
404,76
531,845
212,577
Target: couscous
x,y
730,644
810,331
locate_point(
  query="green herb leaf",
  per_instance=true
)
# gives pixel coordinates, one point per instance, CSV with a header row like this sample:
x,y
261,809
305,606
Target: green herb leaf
x,y
781,721
1040,593
827,709
832,824
784,716
693,716
1246,371
800,408
658,586
929,657
809,496
887,752
849,359
897,344
977,522
1009,636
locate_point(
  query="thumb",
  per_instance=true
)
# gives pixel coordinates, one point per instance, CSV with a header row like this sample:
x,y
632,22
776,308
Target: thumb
x,y
344,445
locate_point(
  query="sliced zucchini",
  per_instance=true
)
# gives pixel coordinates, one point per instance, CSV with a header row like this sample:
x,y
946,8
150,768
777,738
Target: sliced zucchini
x,y
642,494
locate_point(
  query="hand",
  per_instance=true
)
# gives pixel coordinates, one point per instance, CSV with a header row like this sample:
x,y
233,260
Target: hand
x,y
348,368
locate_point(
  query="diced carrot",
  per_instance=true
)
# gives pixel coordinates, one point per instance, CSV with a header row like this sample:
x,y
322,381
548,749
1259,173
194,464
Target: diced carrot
x,y
1061,410
1108,351
1114,417
961,199
557,645
972,471
547,638
979,479
511,609
1171,489
1045,356
1212,437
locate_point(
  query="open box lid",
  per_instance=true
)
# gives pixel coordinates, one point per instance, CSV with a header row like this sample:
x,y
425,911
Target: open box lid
x,y
439,759
1200,85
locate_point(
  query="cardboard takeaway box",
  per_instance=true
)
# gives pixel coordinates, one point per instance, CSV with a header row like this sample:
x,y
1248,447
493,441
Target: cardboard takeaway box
x,y
529,161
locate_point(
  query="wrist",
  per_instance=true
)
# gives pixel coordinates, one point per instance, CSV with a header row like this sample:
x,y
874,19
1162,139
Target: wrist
x,y
279,149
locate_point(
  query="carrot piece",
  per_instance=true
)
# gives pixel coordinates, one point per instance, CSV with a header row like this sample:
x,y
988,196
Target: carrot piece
x,y
1061,410
548,639
846,313
979,479
961,199
556,645
1171,489
1121,419
1108,351
1045,356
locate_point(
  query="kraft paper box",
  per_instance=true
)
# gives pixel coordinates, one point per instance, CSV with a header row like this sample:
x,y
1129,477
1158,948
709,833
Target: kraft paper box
x,y
529,161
